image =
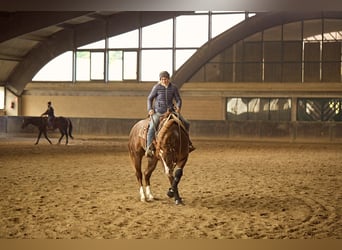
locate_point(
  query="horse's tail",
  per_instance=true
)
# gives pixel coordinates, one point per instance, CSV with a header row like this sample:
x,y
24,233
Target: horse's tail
x,y
70,128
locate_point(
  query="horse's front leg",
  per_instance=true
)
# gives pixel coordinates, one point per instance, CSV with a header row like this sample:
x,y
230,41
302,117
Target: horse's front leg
x,y
151,166
174,181
60,138
173,190
65,132
38,138
46,137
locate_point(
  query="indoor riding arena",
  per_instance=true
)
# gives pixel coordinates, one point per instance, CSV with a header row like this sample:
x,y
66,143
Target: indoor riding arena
x,y
263,98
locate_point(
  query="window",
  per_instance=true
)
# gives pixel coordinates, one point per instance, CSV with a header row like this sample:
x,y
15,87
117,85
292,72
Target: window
x,y
154,61
265,109
223,22
125,40
191,31
134,56
306,51
97,65
58,69
320,109
94,45
130,65
2,97
83,65
115,65
158,35
182,55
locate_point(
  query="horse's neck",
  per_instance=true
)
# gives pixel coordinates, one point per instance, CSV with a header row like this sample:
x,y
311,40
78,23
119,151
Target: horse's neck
x,y
37,121
164,133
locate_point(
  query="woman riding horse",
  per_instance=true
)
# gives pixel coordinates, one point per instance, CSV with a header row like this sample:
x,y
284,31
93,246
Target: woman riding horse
x,y
172,149
163,94
172,144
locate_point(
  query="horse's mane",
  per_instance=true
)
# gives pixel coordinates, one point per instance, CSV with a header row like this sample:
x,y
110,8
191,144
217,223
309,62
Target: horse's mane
x,y
165,126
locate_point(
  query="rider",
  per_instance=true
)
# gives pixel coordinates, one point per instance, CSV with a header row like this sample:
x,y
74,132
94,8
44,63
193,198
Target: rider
x,y
164,93
50,112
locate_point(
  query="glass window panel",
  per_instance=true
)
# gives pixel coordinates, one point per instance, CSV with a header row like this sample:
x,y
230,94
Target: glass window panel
x,y
331,62
252,52
312,62
115,62
182,55
228,72
153,62
332,29
251,14
226,55
263,114
239,51
199,76
95,45
58,69
221,23
312,30
191,31
254,37
273,34
280,109
254,105
312,52
292,51
251,72
277,109
292,31
214,72
126,40
272,72
83,66
237,108
319,109
159,35
2,97
272,51
292,72
331,71
331,52
97,65
130,65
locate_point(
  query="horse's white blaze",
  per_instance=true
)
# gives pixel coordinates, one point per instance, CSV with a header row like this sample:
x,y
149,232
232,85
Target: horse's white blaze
x,y
142,194
149,193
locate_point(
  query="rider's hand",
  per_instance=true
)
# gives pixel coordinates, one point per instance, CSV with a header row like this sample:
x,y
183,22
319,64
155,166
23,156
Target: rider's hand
x,y
151,112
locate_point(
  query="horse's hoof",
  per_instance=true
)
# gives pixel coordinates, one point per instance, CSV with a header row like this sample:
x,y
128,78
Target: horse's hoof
x,y
179,202
171,193
150,199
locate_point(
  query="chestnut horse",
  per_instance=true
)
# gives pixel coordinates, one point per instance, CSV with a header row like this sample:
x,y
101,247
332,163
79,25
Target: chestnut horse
x,y
172,149
63,124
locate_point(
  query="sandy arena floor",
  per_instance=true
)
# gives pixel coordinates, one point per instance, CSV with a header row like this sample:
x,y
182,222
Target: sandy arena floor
x,y
231,190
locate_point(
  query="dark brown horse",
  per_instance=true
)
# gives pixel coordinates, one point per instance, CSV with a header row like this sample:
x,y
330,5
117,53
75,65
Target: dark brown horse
x,y
63,124
172,149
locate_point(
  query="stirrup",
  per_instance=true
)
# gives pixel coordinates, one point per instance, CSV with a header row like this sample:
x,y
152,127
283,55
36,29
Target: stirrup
x,y
149,151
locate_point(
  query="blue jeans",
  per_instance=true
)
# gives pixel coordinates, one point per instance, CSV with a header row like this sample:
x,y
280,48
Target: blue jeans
x,y
154,123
